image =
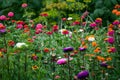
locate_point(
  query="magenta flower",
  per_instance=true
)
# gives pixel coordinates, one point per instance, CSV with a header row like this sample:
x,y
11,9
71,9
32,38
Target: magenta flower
x,y
111,40
39,26
19,26
62,61
111,33
93,25
113,49
82,49
2,28
10,14
3,17
83,74
116,22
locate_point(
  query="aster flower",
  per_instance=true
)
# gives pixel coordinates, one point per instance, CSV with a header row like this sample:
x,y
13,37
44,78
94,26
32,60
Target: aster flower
x,y
68,49
83,74
103,64
116,22
62,61
82,48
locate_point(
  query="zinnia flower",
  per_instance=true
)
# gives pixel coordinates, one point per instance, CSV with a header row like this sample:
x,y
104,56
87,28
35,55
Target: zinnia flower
x,y
83,74
2,28
111,40
68,49
103,64
24,5
62,61
91,38
10,14
20,45
2,17
111,33
93,25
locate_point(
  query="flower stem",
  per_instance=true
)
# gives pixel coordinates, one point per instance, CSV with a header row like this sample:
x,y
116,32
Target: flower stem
x,y
69,70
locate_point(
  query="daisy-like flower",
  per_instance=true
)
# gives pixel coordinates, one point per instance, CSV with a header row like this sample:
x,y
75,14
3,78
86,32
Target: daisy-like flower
x,y
34,67
103,64
68,49
69,18
20,45
2,28
91,38
83,74
62,61
65,32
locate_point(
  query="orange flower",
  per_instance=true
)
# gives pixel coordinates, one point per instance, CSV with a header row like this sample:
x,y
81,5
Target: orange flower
x,y
118,13
108,59
97,50
83,43
1,55
110,67
46,50
111,26
114,11
99,58
94,44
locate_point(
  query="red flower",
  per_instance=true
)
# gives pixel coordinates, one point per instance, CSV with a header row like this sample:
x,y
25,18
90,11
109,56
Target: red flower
x,y
11,43
55,28
49,33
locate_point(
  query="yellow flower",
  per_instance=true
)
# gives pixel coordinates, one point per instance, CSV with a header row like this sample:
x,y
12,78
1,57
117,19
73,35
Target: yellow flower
x,y
34,67
1,55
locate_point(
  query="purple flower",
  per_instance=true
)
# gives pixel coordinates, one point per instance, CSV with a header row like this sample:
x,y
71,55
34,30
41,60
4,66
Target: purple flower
x,y
103,64
111,40
68,49
82,49
83,74
62,61
2,30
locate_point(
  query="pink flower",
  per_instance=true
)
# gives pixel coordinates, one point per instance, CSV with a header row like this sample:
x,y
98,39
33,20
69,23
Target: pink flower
x,y
24,5
98,20
2,17
39,26
113,49
57,77
19,26
116,22
111,40
93,24
10,14
62,61
38,31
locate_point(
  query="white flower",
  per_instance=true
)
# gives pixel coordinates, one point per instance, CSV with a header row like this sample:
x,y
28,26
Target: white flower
x,y
19,45
91,39
81,30
61,31
69,18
